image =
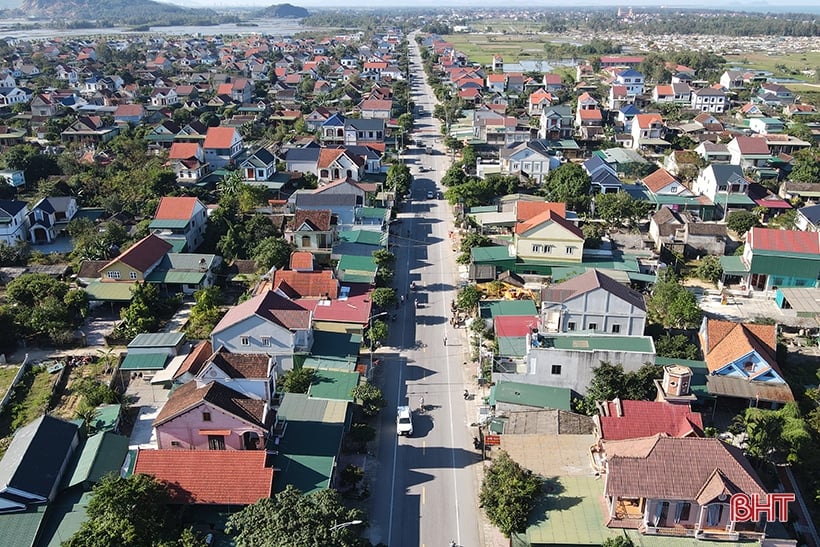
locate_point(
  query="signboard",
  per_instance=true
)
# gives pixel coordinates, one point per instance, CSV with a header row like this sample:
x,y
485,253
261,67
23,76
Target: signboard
x,y
492,440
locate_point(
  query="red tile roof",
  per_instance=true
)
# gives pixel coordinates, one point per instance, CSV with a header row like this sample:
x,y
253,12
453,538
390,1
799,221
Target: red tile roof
x,y
784,241
548,216
676,468
319,220
194,361
301,260
193,394
645,120
726,342
219,137
591,114
183,150
209,477
176,208
752,145
355,310
308,284
659,180
516,326
647,418
269,306
142,254
525,210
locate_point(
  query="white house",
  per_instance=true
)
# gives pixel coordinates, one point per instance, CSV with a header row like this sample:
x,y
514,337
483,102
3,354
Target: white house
x,y
13,221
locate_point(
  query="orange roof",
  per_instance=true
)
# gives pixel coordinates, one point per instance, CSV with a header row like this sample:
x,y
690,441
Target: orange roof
x,y
727,341
658,180
183,150
328,156
544,217
540,96
645,120
301,260
665,90
209,477
224,89
219,137
307,284
591,114
194,361
525,210
142,254
176,208
496,78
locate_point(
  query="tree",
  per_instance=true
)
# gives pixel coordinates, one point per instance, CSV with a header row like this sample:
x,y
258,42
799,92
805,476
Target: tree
x,y
610,381
370,398
205,314
619,207
399,177
291,518
376,333
671,305
384,297
569,184
709,269
272,251
128,512
44,306
619,541
741,222
508,494
298,380
468,298
675,347
141,314
806,166
776,436
362,434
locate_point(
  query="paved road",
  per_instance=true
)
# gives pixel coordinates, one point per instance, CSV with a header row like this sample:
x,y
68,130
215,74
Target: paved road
x,y
424,491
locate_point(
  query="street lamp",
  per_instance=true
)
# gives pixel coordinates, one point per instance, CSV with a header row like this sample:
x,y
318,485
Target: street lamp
x,y
344,525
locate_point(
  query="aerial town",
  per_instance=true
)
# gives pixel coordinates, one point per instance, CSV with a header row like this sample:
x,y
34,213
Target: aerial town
x,y
440,280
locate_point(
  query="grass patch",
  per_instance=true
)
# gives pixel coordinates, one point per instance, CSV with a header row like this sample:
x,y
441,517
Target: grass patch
x,y
7,374
30,400
480,48
760,60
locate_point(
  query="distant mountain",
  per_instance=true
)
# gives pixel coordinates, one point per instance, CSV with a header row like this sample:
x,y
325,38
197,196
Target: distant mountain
x,y
282,11
124,11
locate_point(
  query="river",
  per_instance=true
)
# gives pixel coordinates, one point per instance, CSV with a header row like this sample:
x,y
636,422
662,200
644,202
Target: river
x,y
275,27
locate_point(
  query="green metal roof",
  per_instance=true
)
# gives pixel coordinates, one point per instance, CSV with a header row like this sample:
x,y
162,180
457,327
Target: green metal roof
x,y
178,244
144,361
733,265
366,237
65,516
357,263
486,255
734,199
482,209
91,213
20,528
494,308
803,266
103,453
106,417
157,340
109,292
372,212
167,224
530,395
333,384
594,342
175,277
357,277
512,346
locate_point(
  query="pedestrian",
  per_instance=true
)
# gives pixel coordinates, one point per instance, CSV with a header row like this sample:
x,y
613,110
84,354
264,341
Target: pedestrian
x,y
445,340
402,299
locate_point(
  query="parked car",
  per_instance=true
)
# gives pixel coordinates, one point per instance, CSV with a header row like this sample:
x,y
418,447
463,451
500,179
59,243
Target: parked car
x,y
404,421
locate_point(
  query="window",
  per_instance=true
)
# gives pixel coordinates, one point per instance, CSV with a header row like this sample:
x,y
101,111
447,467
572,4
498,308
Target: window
x,y
592,326
673,189
536,248
113,274
216,442
132,275
266,341
570,250
206,416
556,369
616,329
548,249
175,444
571,325
244,340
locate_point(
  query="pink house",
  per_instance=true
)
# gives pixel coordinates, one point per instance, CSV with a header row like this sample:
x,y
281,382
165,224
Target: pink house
x,y
211,416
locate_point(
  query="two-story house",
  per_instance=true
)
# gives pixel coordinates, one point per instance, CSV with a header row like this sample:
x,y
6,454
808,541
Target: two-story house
x,y
533,159
267,323
648,131
732,79
724,185
749,152
89,130
602,176
662,182
774,95
259,166
13,221
49,217
555,122
337,163
181,221
779,258
592,301
548,236
364,131
539,101
187,159
136,262
632,80
709,99
222,146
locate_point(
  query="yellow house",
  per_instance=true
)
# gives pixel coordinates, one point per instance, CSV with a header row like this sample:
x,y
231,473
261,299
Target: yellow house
x,y
548,236
136,262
